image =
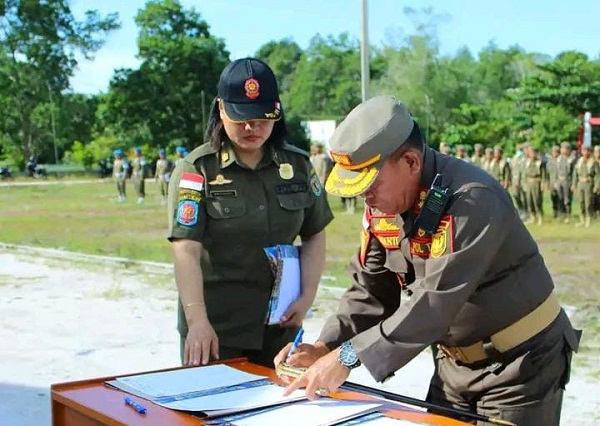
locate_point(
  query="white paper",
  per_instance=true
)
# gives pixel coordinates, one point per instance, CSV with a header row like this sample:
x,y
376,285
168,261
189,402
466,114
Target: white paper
x,y
321,412
238,400
177,382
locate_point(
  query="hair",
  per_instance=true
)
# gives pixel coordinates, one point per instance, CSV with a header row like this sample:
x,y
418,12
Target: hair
x,y
414,141
216,136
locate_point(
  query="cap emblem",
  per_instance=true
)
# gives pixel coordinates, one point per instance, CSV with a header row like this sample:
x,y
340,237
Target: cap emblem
x,y
252,87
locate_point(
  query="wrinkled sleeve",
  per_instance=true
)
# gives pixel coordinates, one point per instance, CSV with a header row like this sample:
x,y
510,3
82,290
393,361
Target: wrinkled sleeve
x,y
480,217
319,214
374,294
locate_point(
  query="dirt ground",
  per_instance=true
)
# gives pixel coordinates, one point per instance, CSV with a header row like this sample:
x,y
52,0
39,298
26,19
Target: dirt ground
x,y
68,317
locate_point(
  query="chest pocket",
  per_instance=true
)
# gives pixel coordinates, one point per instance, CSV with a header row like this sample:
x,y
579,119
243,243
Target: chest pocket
x,y
225,208
296,201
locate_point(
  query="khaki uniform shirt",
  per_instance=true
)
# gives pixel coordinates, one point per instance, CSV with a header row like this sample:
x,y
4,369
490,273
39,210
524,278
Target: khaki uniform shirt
x,y
564,170
163,168
587,173
138,168
479,273
120,167
500,170
236,212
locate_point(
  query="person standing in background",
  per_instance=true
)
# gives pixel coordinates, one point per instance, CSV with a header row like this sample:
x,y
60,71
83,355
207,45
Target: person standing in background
x,y
597,194
242,191
318,160
477,158
535,177
120,170
162,174
586,179
461,153
499,167
551,167
139,167
564,177
517,164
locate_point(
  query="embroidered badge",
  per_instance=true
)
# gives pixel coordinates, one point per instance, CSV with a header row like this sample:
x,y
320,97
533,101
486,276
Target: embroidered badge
x,y
252,87
315,185
385,230
188,194
286,171
443,240
187,213
192,181
220,180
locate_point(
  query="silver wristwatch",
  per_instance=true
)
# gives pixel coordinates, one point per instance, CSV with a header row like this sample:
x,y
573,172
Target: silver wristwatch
x,y
347,356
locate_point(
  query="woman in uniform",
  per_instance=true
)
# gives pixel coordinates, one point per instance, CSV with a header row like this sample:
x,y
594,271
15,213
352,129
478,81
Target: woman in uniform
x,y
242,191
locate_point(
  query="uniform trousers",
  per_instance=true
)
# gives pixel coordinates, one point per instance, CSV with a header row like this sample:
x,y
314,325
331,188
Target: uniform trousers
x,y
524,385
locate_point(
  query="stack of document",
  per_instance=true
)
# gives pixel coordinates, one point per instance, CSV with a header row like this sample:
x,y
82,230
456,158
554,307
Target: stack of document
x,y
214,390
285,264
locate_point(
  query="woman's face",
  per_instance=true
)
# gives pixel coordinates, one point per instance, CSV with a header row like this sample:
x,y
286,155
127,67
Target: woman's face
x,y
247,135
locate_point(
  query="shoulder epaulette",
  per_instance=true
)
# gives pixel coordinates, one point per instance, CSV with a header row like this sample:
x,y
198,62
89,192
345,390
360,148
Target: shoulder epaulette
x,y
201,151
288,147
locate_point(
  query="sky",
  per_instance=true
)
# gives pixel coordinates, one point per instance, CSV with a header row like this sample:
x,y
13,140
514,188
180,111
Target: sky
x,y
542,26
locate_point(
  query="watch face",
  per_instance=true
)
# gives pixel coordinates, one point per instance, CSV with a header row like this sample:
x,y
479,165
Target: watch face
x,y
348,357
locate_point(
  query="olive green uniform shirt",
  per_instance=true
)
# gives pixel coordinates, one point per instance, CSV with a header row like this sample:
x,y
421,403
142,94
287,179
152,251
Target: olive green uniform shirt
x,y
236,212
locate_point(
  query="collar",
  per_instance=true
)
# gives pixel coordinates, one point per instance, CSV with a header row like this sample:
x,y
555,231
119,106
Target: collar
x,y
228,157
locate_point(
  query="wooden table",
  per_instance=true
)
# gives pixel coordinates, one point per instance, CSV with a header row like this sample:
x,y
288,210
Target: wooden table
x,y
92,403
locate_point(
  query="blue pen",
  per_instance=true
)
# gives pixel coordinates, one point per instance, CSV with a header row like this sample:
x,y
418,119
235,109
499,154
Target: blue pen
x,y
297,342
137,407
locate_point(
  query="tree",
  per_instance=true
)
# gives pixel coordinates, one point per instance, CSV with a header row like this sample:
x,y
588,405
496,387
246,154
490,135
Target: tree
x,y
326,83
166,101
39,41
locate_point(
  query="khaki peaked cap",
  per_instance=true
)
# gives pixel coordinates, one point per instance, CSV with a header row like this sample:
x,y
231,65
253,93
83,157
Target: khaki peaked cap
x,y
363,141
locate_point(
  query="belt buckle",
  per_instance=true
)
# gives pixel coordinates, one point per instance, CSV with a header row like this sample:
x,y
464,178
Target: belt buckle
x,y
454,353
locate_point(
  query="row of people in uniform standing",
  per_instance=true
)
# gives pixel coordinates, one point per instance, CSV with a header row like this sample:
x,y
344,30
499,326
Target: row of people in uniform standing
x,y
529,175
139,169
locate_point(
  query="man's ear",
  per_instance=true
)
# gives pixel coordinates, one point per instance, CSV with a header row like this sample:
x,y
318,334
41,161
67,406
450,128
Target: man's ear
x,y
414,159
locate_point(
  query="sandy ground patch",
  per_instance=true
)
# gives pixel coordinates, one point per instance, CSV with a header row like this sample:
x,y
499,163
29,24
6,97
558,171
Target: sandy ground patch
x,y
67,317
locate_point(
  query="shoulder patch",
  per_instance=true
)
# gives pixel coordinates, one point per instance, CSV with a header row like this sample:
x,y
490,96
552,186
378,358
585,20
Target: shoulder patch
x,y
201,151
187,212
442,241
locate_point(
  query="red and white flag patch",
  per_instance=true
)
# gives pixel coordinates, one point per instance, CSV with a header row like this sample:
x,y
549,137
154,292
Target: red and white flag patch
x,y
192,181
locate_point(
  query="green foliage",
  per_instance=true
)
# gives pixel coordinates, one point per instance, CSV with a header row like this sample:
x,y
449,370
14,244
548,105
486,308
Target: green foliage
x,y
39,43
167,99
80,154
326,82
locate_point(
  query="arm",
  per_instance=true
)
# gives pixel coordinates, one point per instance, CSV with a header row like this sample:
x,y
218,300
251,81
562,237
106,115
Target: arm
x,y
201,341
312,263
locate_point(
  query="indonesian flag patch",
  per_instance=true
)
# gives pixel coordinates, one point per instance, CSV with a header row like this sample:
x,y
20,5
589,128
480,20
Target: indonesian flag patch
x,y
192,181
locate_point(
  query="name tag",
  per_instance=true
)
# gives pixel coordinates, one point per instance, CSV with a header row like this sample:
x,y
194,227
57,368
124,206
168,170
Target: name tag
x,y
224,193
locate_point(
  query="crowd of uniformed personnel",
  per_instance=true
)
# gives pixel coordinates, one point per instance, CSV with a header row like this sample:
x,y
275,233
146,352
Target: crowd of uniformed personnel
x,y
529,175
138,169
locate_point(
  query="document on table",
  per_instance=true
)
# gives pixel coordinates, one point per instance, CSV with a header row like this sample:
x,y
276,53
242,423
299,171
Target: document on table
x,y
177,382
376,419
322,412
213,390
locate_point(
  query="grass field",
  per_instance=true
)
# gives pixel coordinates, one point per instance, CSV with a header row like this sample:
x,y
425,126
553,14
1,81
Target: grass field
x,y
86,218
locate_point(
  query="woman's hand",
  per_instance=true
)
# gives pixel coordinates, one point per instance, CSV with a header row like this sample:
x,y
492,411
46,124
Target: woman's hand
x,y
294,315
201,343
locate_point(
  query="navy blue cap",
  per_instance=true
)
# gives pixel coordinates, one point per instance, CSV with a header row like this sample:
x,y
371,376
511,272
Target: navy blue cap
x,y
248,89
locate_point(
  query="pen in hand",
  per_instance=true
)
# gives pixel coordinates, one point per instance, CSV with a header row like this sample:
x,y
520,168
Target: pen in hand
x,y
297,342
137,407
